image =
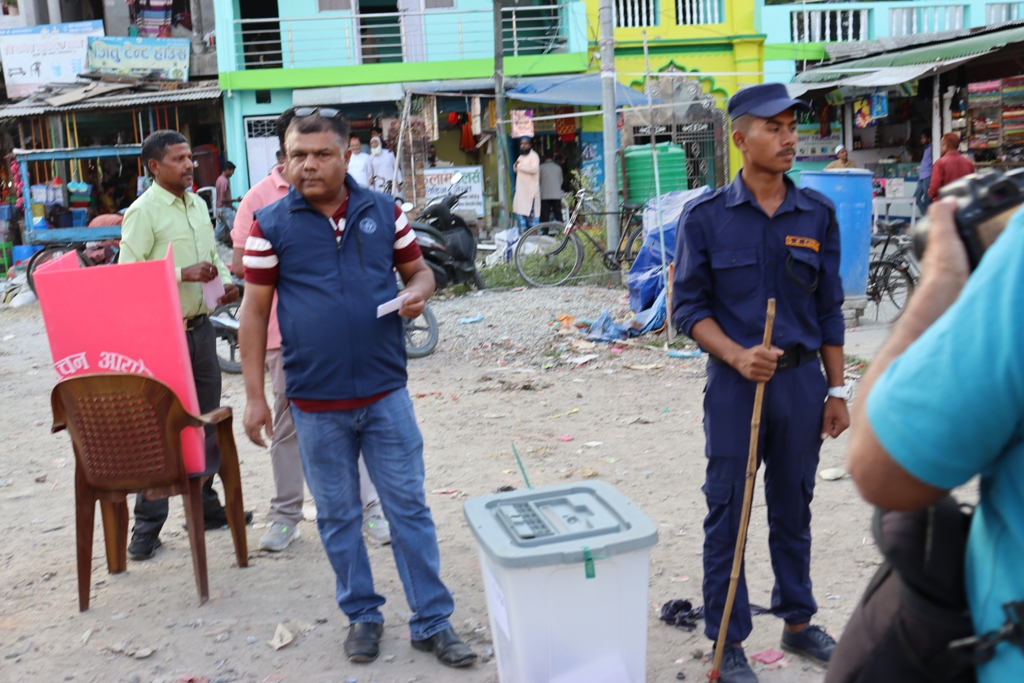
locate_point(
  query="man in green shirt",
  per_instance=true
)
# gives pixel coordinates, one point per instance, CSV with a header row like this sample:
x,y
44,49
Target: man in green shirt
x,y
168,215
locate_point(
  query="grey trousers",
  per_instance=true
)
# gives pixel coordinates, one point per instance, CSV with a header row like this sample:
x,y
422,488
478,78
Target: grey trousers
x,y
286,505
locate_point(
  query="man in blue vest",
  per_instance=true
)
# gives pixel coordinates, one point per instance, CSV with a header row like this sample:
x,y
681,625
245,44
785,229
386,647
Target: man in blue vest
x,y
329,249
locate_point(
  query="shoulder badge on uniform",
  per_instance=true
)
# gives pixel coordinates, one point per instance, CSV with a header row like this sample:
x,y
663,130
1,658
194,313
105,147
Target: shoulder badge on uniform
x,y
805,242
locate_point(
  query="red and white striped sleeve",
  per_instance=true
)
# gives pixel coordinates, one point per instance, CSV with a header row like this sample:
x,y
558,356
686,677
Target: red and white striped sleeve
x,y
406,249
259,259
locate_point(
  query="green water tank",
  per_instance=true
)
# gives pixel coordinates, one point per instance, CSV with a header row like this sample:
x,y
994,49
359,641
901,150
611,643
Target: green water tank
x,y
640,170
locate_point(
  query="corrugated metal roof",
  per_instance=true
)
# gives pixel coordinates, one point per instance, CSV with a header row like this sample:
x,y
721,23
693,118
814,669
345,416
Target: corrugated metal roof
x,y
866,48
36,105
935,55
878,78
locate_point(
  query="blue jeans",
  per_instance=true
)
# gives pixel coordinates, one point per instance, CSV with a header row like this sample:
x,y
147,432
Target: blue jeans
x,y
392,447
921,195
526,222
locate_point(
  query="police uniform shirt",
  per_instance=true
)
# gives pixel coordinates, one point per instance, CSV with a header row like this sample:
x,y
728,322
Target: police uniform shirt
x,y
732,257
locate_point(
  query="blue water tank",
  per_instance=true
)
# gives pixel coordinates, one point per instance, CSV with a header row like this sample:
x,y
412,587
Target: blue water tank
x,y
850,191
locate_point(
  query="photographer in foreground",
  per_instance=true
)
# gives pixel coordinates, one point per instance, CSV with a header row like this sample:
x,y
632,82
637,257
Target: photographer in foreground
x,y
944,401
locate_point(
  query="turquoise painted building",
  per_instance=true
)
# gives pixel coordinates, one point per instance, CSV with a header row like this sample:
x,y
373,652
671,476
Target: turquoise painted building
x,y
800,31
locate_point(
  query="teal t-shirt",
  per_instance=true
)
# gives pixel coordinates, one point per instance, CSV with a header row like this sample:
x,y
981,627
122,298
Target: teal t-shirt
x,y
952,407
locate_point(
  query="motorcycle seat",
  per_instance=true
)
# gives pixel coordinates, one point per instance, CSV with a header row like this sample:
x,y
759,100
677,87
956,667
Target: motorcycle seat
x,y
632,206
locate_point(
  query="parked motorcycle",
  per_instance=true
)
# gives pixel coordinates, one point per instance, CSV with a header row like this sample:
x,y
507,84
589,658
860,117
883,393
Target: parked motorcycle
x,y
447,243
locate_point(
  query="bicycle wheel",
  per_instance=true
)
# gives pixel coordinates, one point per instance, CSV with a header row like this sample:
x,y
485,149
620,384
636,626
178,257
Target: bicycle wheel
x,y
44,256
889,287
632,246
421,334
546,257
228,356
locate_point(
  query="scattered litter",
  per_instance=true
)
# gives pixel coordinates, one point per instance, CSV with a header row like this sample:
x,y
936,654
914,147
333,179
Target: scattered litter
x,y
835,597
649,366
868,541
615,350
7,337
566,321
593,444
611,460
638,420
587,473
681,676
472,319
6,482
769,656
679,579
282,636
309,513
505,489
445,492
547,366
565,437
143,652
41,479
692,353
259,525
252,640
580,360
681,614
832,473
571,412
87,635
583,344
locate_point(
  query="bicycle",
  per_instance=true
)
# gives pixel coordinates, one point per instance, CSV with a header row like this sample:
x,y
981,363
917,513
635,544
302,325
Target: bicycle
x,y
550,254
892,278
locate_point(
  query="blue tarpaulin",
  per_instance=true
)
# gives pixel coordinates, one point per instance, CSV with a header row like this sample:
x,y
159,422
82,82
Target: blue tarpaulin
x,y
579,89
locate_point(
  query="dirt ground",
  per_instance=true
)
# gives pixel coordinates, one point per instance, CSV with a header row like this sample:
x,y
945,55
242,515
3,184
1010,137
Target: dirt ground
x,y
510,378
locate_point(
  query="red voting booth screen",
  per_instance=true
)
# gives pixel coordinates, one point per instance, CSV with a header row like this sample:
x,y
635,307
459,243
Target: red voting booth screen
x,y
124,318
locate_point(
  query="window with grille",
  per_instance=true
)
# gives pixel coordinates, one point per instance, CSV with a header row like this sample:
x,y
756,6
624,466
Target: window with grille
x,y
908,21
635,13
829,26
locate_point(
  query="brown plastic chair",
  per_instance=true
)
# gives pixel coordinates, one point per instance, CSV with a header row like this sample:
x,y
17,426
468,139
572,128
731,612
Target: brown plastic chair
x,y
126,432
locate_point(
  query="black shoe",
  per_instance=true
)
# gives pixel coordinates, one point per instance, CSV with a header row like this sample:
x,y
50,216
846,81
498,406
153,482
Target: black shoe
x,y
735,668
218,519
143,545
363,642
448,647
812,643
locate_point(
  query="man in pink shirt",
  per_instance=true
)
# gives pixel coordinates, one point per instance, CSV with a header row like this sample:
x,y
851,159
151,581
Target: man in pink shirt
x,y
286,505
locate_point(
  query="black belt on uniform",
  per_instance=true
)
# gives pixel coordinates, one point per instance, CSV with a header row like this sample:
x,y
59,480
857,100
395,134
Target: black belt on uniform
x,y
193,323
788,360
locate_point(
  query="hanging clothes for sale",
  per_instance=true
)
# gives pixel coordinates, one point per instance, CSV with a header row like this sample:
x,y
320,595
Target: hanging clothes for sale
x,y
467,142
474,115
153,18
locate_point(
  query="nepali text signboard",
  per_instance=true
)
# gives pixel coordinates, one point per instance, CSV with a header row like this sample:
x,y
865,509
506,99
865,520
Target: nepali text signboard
x,y
438,180
52,53
161,58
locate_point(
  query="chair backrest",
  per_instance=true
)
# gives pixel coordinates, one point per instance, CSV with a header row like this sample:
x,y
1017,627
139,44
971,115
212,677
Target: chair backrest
x,y
126,429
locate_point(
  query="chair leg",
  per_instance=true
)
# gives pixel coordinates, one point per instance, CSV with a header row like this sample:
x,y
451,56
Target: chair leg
x,y
193,497
85,519
231,477
115,534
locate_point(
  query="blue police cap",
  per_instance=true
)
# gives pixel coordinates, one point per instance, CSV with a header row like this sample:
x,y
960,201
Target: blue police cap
x,y
763,101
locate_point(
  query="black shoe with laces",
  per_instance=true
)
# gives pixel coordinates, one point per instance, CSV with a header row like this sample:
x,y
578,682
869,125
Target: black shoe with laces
x,y
735,668
143,545
812,643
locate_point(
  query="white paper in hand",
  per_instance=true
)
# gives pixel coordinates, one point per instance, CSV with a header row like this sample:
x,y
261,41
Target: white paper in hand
x,y
212,292
391,306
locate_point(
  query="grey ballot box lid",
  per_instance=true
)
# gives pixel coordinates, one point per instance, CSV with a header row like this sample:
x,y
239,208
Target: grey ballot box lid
x,y
557,524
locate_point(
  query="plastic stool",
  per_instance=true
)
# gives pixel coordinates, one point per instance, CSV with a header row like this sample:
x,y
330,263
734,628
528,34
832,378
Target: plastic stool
x,y
5,257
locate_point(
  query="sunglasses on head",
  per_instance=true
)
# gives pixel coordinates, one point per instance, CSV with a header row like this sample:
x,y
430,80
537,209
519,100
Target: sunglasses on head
x,y
325,112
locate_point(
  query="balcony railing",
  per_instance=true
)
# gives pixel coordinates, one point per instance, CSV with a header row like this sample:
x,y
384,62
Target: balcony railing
x,y
998,12
829,26
635,13
931,19
694,12
396,37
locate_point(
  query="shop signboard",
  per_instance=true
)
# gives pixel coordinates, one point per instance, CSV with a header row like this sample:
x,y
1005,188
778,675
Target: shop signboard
x,y
522,123
51,53
161,58
438,180
811,146
592,157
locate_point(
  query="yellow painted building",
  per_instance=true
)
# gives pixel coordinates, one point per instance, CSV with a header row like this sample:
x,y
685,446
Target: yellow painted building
x,y
715,40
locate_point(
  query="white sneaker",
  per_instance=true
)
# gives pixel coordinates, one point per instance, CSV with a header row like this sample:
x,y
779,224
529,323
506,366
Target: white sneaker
x,y
377,529
278,537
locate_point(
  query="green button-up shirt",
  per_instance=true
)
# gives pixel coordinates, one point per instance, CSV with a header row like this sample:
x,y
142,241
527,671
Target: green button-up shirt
x,y
158,219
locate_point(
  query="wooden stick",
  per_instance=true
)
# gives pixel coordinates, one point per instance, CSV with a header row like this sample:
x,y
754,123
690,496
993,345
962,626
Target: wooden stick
x,y
748,496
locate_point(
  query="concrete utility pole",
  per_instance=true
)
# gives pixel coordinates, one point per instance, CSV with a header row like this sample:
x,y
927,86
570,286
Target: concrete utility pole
x,y
609,120
499,115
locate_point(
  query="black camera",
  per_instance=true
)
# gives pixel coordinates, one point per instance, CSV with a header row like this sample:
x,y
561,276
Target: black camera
x,y
986,201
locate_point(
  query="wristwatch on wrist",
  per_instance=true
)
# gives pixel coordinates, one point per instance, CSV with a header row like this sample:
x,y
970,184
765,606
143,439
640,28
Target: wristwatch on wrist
x,y
842,392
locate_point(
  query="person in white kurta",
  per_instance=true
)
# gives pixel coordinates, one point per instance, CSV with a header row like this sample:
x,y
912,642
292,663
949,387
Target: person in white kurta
x,y
358,162
382,168
526,203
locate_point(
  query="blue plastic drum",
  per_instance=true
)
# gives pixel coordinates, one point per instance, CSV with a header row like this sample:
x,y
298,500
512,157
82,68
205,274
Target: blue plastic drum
x,y
850,191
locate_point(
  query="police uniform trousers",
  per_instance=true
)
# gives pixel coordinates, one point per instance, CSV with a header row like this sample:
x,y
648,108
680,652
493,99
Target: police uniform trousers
x,y
789,444
150,515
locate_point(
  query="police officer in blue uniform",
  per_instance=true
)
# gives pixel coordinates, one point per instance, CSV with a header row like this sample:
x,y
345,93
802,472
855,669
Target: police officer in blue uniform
x,y
761,237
